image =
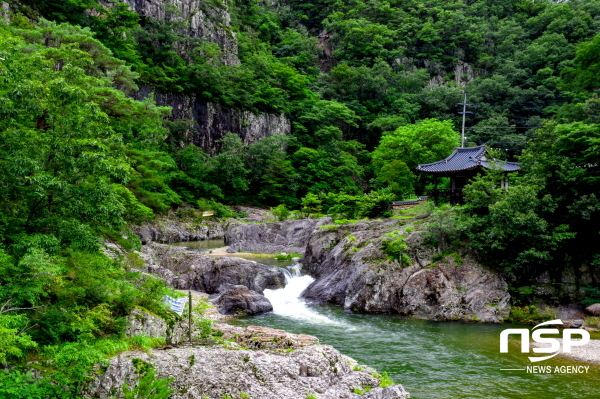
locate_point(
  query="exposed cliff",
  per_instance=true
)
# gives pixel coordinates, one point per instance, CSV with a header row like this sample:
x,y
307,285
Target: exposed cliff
x,y
208,20
208,121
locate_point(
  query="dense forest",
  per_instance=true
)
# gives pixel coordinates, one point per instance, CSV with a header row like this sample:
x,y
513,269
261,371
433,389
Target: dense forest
x,y
371,90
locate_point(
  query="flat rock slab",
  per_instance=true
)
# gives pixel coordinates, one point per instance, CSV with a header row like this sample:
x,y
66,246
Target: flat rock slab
x,y
256,337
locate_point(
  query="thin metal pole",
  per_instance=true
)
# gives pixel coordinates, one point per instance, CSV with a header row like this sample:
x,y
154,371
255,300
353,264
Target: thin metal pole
x,y
464,114
190,315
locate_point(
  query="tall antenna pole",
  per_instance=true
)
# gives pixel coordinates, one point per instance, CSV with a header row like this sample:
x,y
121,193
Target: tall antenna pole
x,y
464,114
464,117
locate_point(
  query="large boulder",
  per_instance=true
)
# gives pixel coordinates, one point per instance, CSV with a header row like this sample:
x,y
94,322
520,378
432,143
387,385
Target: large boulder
x,y
594,309
351,269
238,299
214,372
272,238
183,269
142,322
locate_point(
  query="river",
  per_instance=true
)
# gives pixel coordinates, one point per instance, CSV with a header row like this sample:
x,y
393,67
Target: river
x,y
433,360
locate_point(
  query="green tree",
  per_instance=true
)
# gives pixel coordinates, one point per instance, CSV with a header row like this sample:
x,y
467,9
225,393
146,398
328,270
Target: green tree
x,y
426,141
397,177
58,153
228,168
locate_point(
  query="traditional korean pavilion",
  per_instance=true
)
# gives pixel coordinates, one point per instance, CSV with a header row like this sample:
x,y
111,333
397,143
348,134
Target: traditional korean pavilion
x,y
462,165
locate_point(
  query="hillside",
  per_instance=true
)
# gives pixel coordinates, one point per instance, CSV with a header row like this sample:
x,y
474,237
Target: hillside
x,y
116,113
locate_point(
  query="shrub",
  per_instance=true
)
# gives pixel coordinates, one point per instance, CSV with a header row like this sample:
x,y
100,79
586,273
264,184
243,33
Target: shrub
x,y
280,212
395,247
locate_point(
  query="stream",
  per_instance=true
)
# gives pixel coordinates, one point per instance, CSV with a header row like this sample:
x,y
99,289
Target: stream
x,y
433,360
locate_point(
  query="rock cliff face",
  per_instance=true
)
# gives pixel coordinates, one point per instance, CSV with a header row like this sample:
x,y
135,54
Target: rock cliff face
x,y
169,231
201,19
213,372
183,269
272,238
209,122
351,270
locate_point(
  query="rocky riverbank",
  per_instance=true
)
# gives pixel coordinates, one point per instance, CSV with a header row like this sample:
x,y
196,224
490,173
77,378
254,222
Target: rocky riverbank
x,y
216,372
236,362
183,269
351,269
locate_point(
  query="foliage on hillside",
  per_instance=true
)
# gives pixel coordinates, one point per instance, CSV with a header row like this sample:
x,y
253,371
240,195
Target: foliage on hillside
x,y
371,89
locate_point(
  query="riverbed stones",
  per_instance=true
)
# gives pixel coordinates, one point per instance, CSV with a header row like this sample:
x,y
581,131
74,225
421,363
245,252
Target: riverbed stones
x,y
238,299
183,269
213,372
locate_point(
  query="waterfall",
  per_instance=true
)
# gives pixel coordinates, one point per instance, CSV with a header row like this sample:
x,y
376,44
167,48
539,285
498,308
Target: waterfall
x,y
287,302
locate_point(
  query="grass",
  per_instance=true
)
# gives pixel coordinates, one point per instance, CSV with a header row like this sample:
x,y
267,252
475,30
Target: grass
x,y
530,314
289,256
592,321
330,226
385,380
345,221
363,391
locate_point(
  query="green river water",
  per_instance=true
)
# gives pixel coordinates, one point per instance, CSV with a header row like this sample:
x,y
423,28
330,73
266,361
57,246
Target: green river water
x,y
433,360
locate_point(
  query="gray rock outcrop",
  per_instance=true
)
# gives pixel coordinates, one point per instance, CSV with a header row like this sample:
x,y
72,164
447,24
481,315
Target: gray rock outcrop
x,y
199,19
200,372
351,270
208,122
183,269
170,231
238,299
594,309
272,238
142,322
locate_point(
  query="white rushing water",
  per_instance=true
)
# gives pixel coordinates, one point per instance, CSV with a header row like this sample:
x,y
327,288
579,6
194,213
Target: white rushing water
x,y
287,302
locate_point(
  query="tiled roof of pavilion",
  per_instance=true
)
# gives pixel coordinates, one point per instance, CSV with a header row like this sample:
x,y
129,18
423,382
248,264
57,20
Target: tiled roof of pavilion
x,y
467,158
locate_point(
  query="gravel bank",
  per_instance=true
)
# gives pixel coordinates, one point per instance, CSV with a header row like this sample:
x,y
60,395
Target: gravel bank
x,y
589,352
